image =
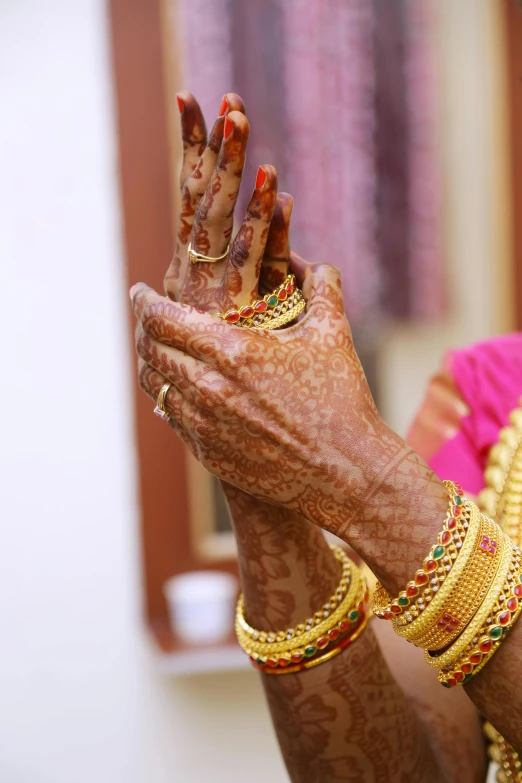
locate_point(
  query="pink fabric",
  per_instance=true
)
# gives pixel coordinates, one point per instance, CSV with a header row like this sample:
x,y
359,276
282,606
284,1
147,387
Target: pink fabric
x,y
489,378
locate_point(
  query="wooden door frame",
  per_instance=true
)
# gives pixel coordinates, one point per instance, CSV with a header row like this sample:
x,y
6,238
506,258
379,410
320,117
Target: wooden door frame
x,y
142,87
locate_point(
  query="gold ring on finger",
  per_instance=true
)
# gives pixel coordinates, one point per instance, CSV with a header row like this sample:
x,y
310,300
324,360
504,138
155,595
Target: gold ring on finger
x,y
160,409
196,258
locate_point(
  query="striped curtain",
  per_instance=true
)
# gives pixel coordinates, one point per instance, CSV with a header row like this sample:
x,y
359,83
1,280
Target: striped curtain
x,y
341,99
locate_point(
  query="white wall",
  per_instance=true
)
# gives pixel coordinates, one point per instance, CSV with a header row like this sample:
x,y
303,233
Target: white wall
x,y
79,698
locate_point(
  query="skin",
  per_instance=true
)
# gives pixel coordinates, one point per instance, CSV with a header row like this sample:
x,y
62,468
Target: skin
x,y
329,718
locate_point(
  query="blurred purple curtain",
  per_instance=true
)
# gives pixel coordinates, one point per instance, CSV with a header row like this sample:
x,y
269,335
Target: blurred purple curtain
x,y
341,99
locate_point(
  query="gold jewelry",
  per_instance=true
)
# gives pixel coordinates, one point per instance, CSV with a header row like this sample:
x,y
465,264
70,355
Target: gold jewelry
x,y
461,606
502,616
502,500
318,621
306,634
294,648
274,310
504,755
447,658
413,600
160,409
196,258
322,658
502,497
423,619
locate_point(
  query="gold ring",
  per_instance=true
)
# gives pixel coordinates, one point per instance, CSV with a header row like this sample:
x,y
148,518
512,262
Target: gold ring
x,y
195,258
160,409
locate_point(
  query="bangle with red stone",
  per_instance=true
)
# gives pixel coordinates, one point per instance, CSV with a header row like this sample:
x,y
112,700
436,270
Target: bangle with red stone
x,y
413,600
299,661
502,616
274,310
295,645
463,599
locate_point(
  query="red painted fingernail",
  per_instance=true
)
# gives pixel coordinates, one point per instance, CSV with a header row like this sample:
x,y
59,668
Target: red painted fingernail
x,y
229,127
181,105
261,178
223,107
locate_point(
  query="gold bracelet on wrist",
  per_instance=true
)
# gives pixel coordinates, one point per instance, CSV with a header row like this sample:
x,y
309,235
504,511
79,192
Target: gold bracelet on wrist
x,y
464,600
318,635
300,647
448,657
501,609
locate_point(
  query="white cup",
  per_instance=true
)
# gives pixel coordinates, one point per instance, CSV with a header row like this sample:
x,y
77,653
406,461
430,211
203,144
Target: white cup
x,y
201,605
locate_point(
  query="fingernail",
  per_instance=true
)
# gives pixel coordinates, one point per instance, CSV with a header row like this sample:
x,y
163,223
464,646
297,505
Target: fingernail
x,y
223,107
261,178
132,292
229,127
181,105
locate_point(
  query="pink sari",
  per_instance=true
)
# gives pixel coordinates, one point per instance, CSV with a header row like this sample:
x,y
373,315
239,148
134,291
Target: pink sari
x,y
466,405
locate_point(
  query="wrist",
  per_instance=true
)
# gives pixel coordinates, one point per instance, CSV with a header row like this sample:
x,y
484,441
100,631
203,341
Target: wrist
x,y
389,508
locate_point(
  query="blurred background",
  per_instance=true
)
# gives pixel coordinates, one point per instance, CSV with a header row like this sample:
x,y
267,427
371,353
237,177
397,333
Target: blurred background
x,y
393,124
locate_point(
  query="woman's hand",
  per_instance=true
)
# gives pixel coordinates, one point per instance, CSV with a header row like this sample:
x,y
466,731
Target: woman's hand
x,y
287,570
210,179
285,416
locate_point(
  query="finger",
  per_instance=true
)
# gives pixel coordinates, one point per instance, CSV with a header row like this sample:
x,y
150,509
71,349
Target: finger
x,y
192,190
214,218
193,132
180,326
179,368
151,381
248,248
274,268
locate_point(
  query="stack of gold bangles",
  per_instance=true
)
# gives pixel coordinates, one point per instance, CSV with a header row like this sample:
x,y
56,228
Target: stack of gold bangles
x,y
461,604
273,311
319,638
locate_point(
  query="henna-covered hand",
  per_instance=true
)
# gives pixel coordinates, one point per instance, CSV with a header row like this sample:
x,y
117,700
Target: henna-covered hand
x,y
287,569
288,417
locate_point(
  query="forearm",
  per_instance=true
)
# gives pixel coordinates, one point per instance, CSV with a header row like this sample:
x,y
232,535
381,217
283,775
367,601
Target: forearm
x,y
288,570
393,531
348,720
327,718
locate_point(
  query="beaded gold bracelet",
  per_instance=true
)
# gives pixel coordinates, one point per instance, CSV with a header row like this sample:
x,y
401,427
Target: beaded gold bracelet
x,y
413,600
429,621
487,638
274,310
319,636
343,614
447,658
345,642
463,601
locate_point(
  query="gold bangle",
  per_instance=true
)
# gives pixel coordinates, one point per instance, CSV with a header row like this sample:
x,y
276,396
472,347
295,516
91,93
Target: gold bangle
x,y
412,601
327,656
502,617
274,310
320,631
435,608
447,658
461,606
318,619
